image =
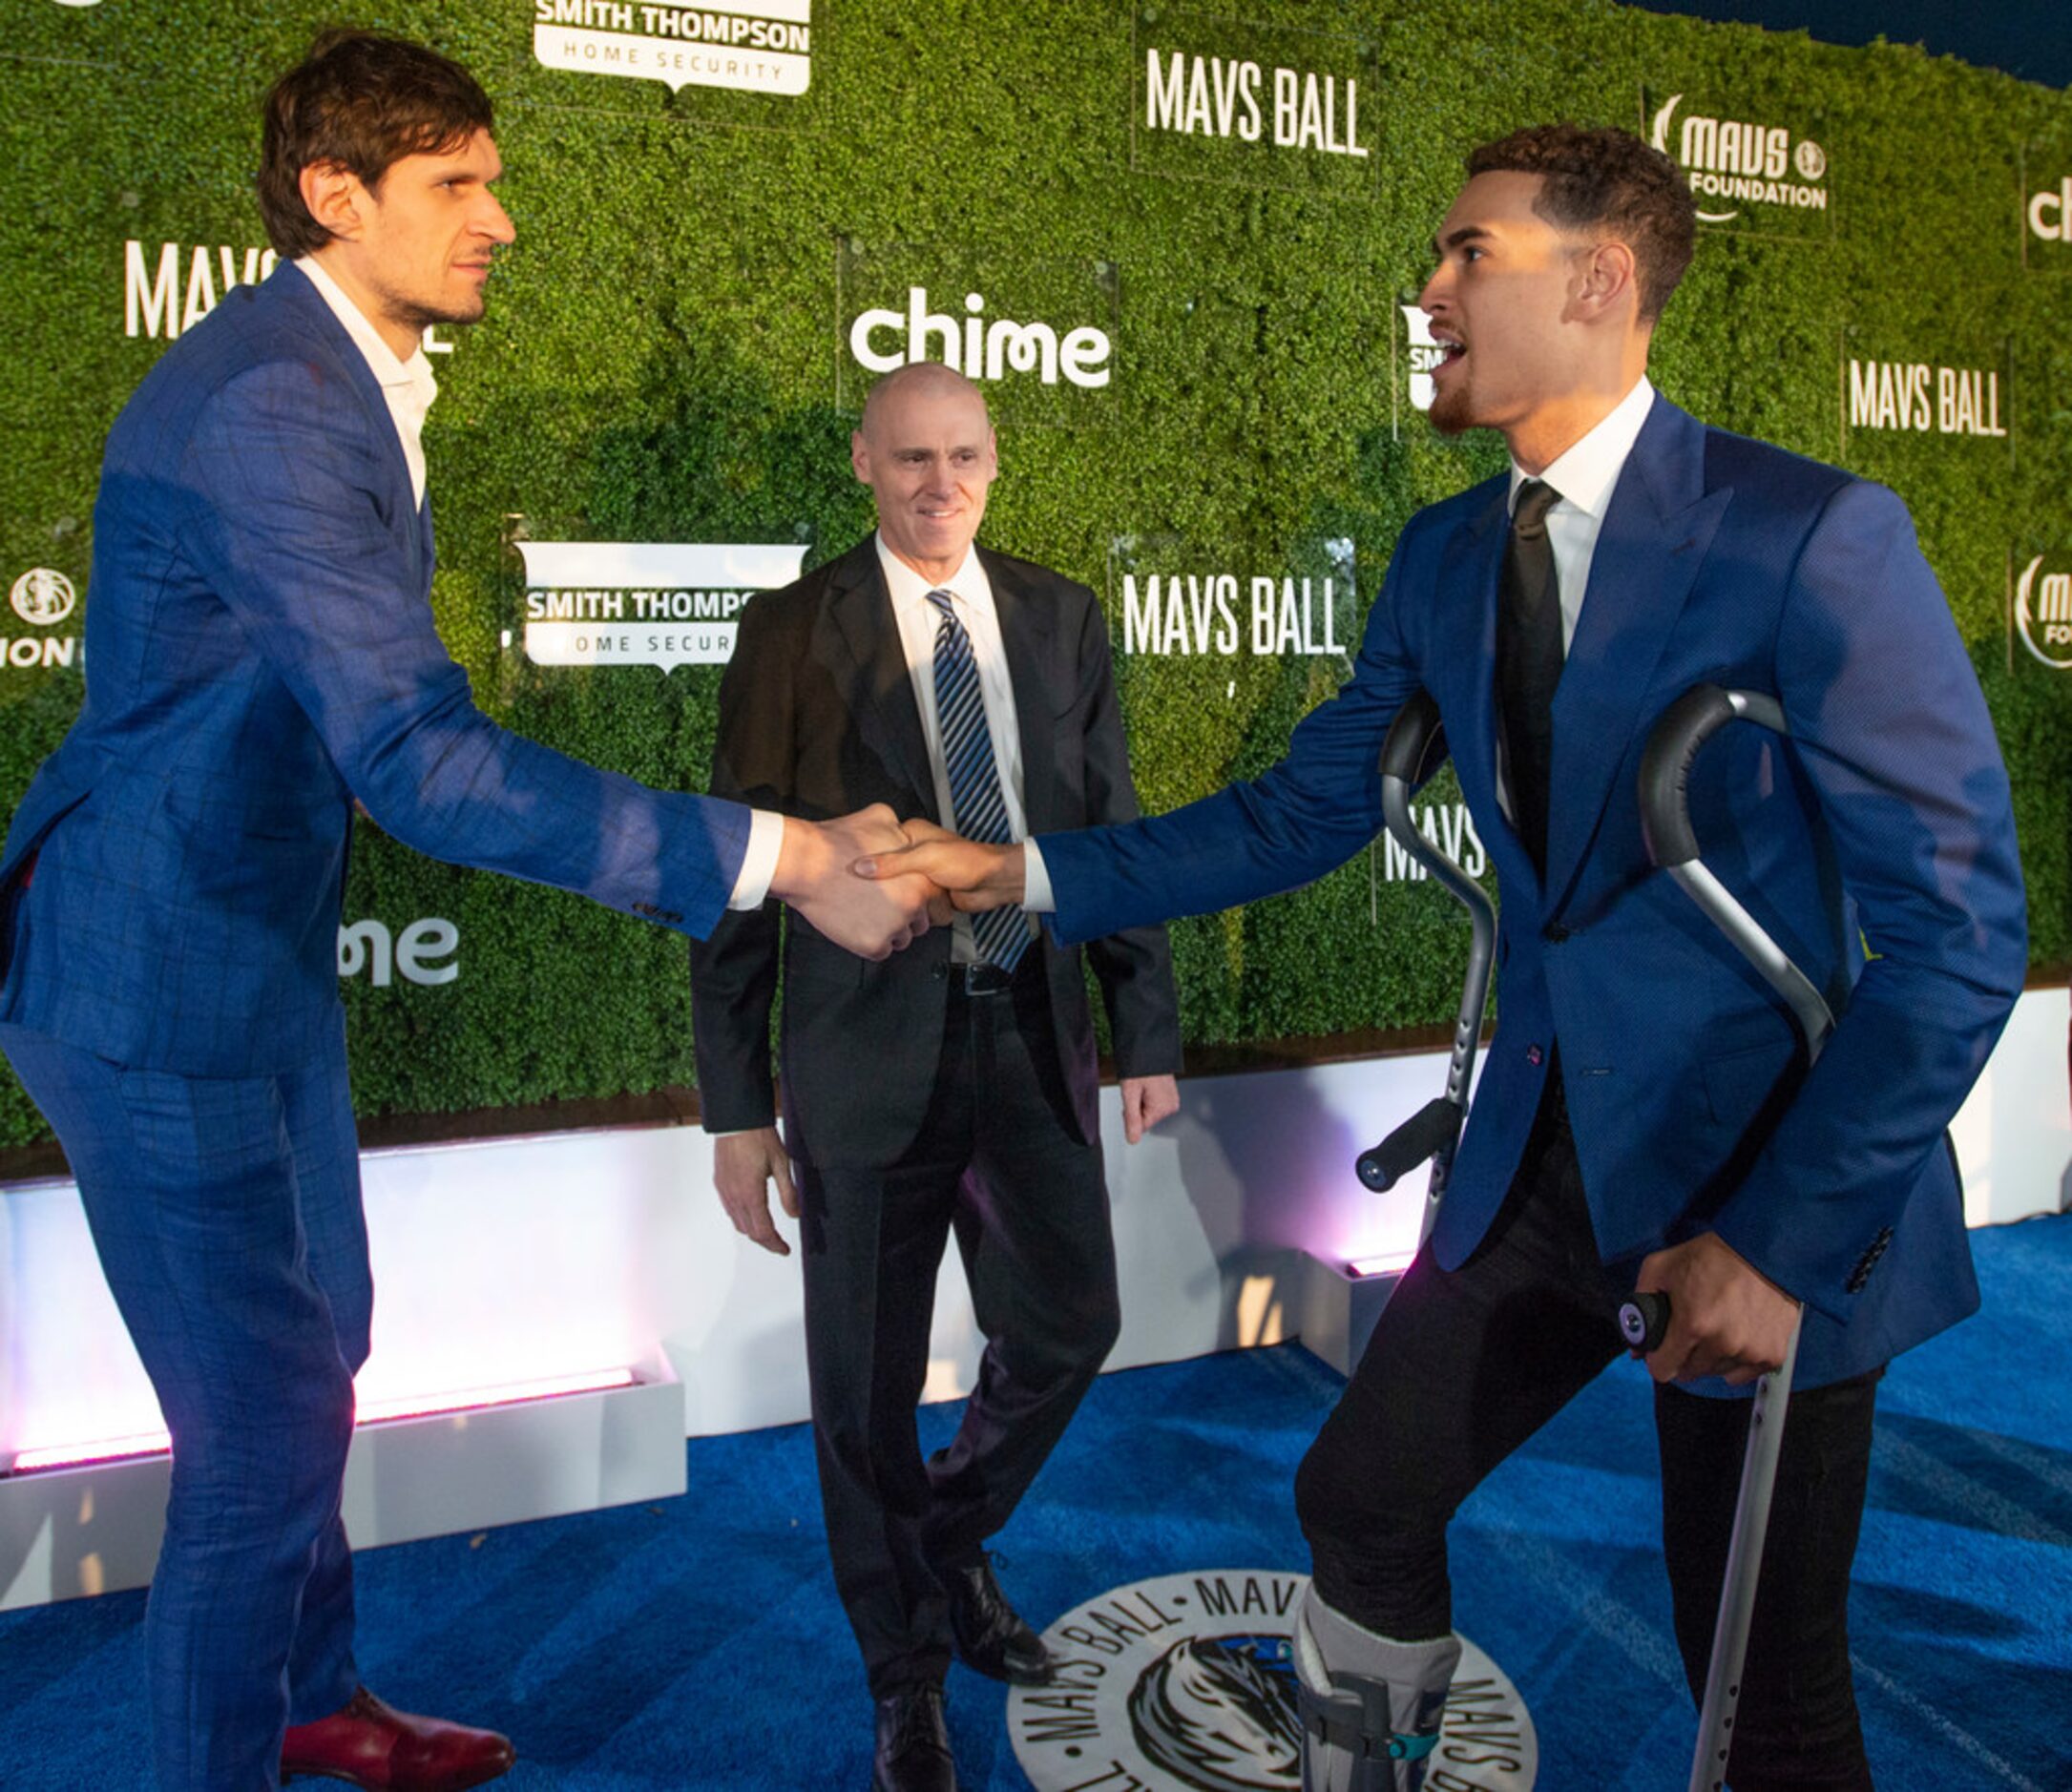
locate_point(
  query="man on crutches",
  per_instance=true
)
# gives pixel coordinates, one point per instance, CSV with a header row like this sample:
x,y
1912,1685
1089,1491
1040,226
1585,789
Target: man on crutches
x,y
1646,1116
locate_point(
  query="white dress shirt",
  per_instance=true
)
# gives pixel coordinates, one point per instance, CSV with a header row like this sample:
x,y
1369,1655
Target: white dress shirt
x,y
970,597
408,386
1583,476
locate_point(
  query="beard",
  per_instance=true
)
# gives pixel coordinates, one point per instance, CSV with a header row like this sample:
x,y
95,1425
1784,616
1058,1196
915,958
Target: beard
x,y
1453,410
417,314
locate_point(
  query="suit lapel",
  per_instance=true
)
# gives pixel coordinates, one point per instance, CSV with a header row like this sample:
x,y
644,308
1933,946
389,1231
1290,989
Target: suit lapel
x,y
1657,531
412,521
1461,670
1028,626
888,718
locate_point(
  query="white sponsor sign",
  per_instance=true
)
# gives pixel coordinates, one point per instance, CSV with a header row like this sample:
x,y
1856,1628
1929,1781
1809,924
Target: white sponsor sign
x,y
1733,163
42,597
977,347
1922,397
2044,611
1425,354
369,945
1299,109
640,603
755,46
1451,828
1227,613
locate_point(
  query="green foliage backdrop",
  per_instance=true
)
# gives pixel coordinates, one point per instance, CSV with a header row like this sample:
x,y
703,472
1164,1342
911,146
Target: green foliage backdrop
x,y
664,361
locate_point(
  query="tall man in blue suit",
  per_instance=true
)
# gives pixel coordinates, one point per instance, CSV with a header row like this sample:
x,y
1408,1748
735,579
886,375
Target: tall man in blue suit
x,y
262,656
1645,1117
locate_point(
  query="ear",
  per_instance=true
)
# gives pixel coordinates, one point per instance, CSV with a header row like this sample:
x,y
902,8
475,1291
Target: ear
x,y
335,198
992,454
1608,279
860,456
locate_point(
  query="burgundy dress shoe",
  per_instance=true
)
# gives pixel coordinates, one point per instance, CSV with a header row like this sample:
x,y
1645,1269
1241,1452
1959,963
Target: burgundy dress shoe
x,y
366,1744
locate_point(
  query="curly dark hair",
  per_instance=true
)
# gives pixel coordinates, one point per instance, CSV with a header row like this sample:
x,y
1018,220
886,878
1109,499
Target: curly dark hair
x,y
1608,181
363,101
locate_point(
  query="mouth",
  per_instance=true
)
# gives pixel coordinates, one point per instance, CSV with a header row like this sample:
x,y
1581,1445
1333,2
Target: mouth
x,y
1452,350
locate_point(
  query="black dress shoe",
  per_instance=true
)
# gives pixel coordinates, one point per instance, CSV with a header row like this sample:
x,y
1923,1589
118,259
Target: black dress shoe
x,y
990,1635
913,1744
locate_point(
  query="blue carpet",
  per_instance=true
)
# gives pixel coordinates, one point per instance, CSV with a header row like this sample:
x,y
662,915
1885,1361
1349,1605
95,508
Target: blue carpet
x,y
698,1644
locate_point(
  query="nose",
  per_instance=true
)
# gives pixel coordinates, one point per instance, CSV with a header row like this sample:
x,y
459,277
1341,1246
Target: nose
x,y
496,223
1433,295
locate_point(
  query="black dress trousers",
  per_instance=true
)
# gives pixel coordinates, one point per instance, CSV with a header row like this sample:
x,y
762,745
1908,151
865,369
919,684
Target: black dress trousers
x,y
998,1160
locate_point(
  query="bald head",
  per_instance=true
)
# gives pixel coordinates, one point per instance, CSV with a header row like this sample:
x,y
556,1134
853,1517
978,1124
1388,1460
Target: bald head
x,y
926,449
917,381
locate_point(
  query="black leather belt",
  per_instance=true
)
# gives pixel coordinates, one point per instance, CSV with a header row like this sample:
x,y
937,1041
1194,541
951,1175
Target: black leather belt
x,y
987,979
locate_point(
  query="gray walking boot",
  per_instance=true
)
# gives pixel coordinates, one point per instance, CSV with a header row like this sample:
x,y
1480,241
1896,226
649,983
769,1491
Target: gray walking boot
x,y
1370,1705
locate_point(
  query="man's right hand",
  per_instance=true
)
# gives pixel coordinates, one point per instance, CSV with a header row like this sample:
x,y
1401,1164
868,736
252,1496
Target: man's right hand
x,y
813,878
742,1164
977,876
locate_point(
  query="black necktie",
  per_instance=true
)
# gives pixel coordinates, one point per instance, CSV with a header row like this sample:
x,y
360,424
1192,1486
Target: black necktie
x,y
1529,662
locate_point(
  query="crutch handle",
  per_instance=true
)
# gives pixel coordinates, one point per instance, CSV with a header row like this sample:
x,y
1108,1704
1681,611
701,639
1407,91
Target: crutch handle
x,y
1415,746
1644,1321
1432,1128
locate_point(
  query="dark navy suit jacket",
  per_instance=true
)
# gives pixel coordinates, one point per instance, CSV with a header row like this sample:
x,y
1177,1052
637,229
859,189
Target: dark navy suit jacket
x,y
1723,560
818,717
259,651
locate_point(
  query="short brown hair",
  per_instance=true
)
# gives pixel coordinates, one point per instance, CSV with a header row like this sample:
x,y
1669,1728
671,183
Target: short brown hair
x,y
363,101
1608,181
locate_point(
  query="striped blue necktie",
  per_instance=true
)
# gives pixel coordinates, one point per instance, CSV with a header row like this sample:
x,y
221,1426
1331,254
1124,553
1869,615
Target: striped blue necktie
x,y
1001,935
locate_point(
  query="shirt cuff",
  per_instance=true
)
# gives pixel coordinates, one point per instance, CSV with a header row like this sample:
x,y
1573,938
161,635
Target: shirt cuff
x,y
1036,885
759,862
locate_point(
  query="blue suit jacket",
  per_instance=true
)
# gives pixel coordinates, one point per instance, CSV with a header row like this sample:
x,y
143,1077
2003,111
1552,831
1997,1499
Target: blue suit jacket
x,y
259,651
1725,560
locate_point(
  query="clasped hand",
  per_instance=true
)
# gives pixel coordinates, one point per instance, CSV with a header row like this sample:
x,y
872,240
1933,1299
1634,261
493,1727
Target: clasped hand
x,y
873,883
872,918
972,875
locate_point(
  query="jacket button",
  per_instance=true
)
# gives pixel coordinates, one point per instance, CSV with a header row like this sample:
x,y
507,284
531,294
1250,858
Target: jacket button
x,y
1533,1055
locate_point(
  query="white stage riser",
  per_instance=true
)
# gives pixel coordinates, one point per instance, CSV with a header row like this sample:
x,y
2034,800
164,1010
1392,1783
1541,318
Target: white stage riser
x,y
509,1260
75,1532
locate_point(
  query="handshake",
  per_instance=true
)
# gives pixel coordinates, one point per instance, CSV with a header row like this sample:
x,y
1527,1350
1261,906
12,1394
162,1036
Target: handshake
x,y
874,883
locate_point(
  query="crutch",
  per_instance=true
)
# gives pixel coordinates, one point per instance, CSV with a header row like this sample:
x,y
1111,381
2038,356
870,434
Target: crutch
x,y
1665,825
1415,748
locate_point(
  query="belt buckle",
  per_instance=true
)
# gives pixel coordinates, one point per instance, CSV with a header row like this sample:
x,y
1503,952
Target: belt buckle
x,y
986,979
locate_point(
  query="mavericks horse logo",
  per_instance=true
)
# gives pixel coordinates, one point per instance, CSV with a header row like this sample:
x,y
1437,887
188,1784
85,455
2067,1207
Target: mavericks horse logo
x,y
1186,1683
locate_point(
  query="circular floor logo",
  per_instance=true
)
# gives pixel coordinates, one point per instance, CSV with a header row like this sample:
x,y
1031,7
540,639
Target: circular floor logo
x,y
1186,1683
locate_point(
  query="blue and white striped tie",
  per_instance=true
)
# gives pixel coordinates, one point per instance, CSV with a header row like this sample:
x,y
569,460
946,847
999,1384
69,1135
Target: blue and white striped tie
x,y
1001,935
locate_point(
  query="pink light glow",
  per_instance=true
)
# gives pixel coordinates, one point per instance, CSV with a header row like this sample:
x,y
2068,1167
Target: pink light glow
x,y
103,1449
1384,1263
369,1412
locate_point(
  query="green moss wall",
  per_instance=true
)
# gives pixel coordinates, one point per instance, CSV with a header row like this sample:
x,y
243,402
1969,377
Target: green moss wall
x,y
665,361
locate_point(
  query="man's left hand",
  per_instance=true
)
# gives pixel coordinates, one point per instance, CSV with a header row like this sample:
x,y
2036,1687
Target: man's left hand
x,y
1146,1100
1726,1317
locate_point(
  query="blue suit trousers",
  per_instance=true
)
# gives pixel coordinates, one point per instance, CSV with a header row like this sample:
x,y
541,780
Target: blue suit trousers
x,y
226,1214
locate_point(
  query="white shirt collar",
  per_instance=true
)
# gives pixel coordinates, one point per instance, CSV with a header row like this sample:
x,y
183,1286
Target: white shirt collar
x,y
414,373
1586,471
907,588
